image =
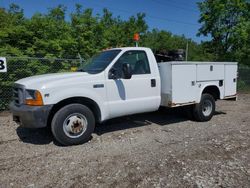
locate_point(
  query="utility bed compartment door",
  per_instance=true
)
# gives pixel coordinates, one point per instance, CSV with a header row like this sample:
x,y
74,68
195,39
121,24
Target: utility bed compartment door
x,y
183,84
210,72
230,80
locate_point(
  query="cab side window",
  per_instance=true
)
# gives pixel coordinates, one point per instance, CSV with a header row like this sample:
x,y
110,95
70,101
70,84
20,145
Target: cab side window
x,y
138,62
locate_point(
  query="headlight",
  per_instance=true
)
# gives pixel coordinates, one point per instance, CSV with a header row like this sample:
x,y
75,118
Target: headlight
x,y
33,98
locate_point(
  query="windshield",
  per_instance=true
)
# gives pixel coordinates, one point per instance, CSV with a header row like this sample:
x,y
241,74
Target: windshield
x,y
99,62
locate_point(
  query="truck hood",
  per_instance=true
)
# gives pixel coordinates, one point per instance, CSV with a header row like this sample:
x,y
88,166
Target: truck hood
x,y
46,80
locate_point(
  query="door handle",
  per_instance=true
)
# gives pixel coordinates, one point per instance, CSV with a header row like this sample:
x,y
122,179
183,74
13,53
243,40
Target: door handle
x,y
153,83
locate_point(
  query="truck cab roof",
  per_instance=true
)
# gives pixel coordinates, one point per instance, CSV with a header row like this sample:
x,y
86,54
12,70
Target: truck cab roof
x,y
130,48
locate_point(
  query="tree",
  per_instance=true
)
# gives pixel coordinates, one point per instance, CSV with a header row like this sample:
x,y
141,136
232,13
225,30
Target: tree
x,y
227,22
159,40
12,33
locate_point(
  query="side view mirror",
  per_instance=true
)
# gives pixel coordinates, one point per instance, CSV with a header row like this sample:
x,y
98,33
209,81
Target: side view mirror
x,y
113,73
127,71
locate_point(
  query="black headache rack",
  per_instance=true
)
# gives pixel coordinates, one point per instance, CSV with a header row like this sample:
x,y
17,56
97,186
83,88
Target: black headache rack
x,y
169,55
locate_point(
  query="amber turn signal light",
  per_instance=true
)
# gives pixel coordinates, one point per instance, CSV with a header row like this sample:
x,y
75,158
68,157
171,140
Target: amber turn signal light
x,y
37,101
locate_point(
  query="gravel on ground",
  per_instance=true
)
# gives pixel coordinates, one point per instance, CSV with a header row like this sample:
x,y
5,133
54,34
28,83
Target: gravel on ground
x,y
159,149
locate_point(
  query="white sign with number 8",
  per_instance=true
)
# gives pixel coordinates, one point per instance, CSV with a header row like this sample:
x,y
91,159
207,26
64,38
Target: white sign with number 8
x,y
3,64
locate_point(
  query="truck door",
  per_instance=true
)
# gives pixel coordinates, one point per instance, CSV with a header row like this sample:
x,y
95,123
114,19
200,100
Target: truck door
x,y
135,95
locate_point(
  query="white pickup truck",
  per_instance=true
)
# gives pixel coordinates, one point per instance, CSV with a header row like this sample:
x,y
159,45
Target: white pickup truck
x,y
118,82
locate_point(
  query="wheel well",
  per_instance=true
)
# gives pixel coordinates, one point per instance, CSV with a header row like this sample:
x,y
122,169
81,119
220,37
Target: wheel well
x,y
212,90
92,105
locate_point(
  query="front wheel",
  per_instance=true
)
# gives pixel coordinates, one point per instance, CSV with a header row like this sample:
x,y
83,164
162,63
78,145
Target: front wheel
x,y
204,111
73,124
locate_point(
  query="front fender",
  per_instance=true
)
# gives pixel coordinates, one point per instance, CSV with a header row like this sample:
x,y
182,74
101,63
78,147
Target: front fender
x,y
56,95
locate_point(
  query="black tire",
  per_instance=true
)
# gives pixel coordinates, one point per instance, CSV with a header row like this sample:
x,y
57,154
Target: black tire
x,y
200,111
59,123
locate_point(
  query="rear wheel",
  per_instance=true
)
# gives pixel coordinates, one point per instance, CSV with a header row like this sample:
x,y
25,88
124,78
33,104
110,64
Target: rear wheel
x,y
73,124
204,111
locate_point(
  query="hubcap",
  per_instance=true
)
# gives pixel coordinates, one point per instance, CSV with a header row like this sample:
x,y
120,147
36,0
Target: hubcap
x,y
207,108
75,125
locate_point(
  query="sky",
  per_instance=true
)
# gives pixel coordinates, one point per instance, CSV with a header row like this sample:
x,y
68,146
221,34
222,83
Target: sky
x,y
177,16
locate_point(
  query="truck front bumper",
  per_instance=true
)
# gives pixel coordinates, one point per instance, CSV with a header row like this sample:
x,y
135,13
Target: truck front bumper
x,y
30,116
